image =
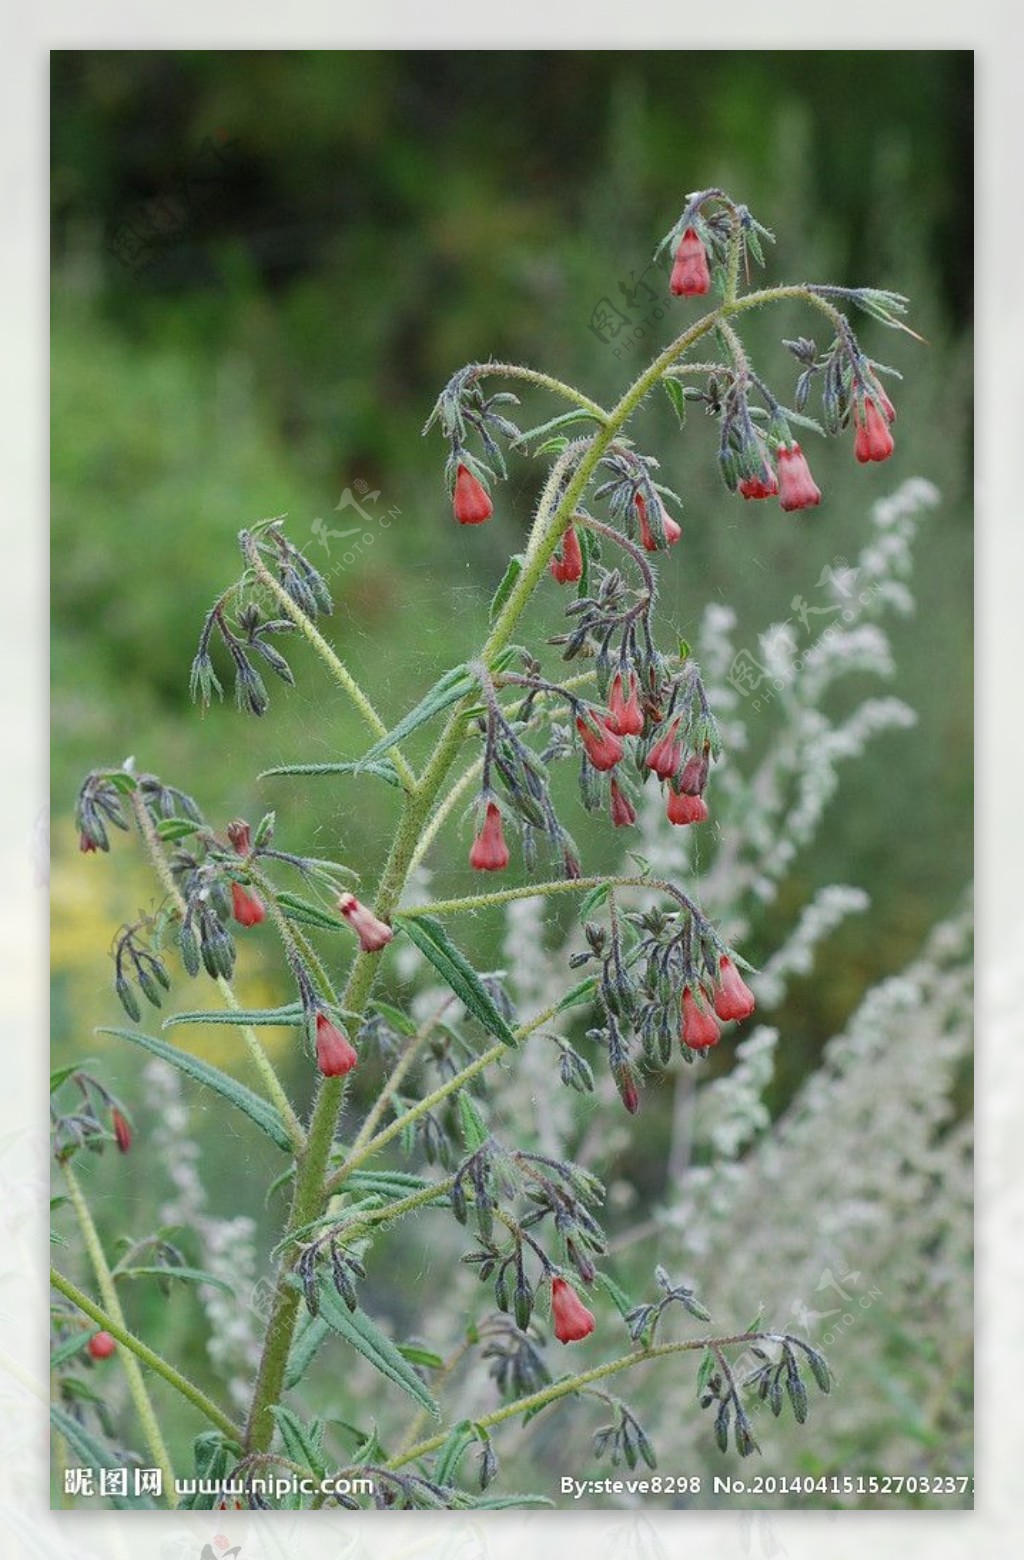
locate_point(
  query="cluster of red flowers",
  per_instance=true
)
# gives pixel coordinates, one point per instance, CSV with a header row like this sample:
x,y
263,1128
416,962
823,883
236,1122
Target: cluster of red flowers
x,y
733,1000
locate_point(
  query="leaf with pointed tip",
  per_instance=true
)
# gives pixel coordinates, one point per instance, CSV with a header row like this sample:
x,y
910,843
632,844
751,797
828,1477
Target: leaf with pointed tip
x,y
286,1017
384,770
455,970
94,1454
362,1332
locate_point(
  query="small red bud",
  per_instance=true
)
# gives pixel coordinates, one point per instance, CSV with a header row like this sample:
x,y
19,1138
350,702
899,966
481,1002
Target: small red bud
x,y
623,811
625,717
471,501
249,908
694,777
873,441
797,489
567,566
690,274
87,844
666,755
700,1030
571,1318
101,1346
239,836
489,852
734,998
673,531
373,934
122,1131
335,1055
603,747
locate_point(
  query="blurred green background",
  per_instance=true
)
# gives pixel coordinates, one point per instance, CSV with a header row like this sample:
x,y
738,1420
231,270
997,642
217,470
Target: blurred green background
x,y
266,265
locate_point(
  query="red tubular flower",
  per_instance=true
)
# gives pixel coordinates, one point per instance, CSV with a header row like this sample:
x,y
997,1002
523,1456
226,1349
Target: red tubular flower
x,y
567,566
755,487
673,531
666,755
571,1318
797,488
700,1030
623,811
625,716
690,274
683,808
471,502
873,441
101,1346
694,777
335,1054
603,746
122,1131
490,853
885,406
249,908
372,933
734,998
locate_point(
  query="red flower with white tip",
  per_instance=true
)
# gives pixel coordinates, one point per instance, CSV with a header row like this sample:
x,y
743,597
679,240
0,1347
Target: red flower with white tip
x,y
690,275
797,489
571,1318
489,852
373,934
567,566
734,998
471,501
249,909
700,1030
335,1053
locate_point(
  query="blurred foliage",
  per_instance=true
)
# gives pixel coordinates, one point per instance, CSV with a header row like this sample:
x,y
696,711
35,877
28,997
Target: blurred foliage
x,y
382,218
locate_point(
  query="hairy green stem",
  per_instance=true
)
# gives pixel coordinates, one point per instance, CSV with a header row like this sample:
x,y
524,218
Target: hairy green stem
x,y
571,1384
117,1329
108,1290
534,376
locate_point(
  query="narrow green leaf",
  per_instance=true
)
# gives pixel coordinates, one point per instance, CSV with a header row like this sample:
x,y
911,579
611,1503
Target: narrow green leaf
x,y
452,1452
674,391
299,1443
455,970
419,1356
286,1017
187,1274
474,1127
303,910
504,590
591,902
68,1349
258,1110
384,770
309,1335
92,1453
509,1502
363,1334
623,1304
399,1021
707,1368
578,994
386,1183
563,420
62,1074
448,690
176,828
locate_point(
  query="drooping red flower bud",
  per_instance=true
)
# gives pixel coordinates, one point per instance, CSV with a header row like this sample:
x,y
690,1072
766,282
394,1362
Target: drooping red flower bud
x,y
873,441
604,749
122,1131
571,1318
673,531
797,489
249,909
690,274
623,811
239,836
700,1030
625,717
335,1054
489,852
87,844
625,1082
567,566
372,933
682,808
101,1346
471,501
734,998
694,777
756,487
885,406
666,755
